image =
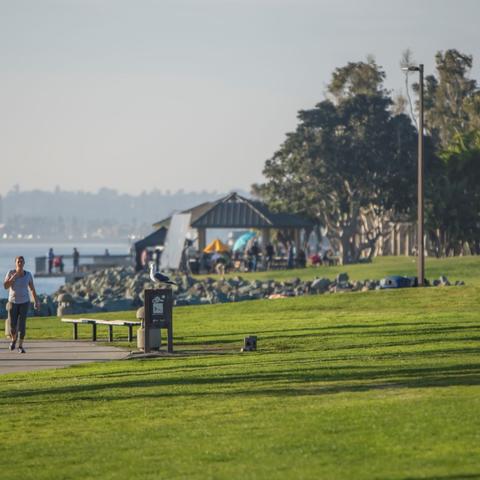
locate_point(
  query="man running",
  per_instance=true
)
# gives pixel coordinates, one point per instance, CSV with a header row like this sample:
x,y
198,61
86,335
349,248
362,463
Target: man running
x,y
18,282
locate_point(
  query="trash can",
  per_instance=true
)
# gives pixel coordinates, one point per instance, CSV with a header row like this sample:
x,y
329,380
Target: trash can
x,y
154,338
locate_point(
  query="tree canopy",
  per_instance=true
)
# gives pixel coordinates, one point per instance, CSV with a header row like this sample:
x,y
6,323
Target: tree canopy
x,y
351,162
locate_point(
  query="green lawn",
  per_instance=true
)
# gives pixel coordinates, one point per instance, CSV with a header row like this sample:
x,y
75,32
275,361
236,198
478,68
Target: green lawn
x,y
375,385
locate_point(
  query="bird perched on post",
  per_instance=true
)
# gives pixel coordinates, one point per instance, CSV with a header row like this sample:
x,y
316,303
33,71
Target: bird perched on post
x,y
158,277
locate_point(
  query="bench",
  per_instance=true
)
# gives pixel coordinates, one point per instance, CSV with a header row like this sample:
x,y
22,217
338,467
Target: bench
x,y
94,322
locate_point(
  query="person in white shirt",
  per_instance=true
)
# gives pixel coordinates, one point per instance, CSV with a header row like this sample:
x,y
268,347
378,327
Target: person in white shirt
x,y
18,282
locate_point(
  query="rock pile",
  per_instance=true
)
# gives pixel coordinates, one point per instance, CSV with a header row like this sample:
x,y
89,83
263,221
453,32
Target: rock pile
x,y
120,288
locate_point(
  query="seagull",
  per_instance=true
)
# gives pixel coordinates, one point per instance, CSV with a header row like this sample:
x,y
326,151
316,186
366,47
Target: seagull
x,y
158,277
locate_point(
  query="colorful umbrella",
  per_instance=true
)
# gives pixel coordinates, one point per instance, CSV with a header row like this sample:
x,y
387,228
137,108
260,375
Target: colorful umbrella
x,y
216,246
242,241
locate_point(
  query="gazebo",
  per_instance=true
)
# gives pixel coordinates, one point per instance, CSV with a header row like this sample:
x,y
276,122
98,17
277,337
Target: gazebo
x,y
235,211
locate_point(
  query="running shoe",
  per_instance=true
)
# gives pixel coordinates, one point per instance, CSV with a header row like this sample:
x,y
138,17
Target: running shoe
x,y
12,346
21,350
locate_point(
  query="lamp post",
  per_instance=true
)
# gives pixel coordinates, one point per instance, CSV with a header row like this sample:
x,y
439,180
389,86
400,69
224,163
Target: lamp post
x,y
420,195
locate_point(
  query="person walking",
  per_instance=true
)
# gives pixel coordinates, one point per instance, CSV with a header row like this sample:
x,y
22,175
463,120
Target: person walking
x,y
51,256
18,282
76,260
269,253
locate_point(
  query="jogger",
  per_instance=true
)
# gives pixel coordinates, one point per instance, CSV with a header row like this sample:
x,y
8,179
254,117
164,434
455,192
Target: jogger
x,y
18,282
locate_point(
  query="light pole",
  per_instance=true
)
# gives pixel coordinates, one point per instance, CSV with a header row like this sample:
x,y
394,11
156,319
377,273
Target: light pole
x,y
420,226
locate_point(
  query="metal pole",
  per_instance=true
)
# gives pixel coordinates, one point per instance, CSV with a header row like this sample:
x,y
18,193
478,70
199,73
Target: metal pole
x,y
420,239
147,320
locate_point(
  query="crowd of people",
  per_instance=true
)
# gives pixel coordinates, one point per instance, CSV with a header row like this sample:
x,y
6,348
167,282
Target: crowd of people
x,y
250,259
253,257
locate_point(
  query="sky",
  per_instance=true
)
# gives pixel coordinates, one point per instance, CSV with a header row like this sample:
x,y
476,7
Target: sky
x,y
196,95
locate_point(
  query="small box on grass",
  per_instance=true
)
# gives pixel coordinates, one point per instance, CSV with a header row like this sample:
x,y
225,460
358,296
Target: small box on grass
x,y
249,344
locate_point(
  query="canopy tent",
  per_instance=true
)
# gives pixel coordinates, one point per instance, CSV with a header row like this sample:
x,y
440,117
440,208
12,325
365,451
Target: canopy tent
x,y
155,239
216,246
242,241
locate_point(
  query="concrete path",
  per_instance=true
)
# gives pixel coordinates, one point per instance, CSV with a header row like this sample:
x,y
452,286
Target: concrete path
x,y
43,354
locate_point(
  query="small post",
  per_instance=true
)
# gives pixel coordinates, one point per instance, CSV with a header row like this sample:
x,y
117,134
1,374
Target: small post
x,y
169,319
249,344
147,321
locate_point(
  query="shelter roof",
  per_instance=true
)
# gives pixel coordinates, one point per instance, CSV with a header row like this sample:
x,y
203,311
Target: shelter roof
x,y
155,238
196,212
235,211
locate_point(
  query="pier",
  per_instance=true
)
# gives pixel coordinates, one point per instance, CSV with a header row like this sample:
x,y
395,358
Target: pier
x,y
88,263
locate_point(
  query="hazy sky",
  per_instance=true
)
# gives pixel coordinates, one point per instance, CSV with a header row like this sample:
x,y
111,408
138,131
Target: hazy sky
x,y
193,94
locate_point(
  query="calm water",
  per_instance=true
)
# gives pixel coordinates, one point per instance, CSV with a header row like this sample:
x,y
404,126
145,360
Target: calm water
x,y
8,252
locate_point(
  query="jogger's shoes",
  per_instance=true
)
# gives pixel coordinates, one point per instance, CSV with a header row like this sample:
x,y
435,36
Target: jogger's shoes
x,y
21,350
12,346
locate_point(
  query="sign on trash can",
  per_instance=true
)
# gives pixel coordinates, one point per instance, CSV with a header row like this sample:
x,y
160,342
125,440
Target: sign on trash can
x,y
158,314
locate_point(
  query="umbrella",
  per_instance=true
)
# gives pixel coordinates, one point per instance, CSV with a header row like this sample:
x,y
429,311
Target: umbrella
x,y
216,246
243,240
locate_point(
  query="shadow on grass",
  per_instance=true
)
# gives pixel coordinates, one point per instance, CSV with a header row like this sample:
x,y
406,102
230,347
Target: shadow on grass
x,y
427,328
453,476
311,382
353,326
433,328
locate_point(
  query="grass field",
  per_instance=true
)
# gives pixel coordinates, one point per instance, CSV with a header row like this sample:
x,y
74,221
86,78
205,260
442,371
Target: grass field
x,y
375,385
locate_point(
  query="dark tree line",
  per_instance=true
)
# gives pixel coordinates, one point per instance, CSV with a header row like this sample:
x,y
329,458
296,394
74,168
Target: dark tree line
x,y
351,162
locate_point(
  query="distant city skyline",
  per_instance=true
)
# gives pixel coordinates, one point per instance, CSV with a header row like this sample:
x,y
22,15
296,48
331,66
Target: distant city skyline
x,y
185,94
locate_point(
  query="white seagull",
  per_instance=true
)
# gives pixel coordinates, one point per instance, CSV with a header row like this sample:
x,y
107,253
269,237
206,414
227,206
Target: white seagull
x,y
158,277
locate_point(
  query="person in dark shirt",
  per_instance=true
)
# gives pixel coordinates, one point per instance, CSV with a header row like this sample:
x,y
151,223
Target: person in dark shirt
x,y
76,260
51,256
269,253
254,254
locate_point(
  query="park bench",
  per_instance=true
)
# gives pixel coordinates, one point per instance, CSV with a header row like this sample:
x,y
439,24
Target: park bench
x,y
94,322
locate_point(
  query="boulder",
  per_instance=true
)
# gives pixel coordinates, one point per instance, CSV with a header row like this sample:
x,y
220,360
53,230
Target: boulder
x,y
65,298
357,286
443,280
63,309
342,278
320,285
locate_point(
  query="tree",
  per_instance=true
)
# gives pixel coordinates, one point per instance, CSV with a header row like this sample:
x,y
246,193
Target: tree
x,y
452,122
451,98
453,213
350,164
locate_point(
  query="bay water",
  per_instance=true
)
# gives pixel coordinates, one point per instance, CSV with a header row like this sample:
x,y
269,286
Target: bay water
x,y
30,250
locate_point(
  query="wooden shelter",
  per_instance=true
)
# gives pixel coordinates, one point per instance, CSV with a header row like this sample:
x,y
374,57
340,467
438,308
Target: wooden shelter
x,y
235,211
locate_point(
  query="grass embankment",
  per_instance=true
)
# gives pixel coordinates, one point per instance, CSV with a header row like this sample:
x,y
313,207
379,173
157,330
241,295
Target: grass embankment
x,y
355,385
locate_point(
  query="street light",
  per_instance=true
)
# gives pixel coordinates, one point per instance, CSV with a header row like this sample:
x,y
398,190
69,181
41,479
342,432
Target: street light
x,y
420,234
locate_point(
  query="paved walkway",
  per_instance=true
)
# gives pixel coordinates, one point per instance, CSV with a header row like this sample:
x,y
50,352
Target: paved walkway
x,y
43,354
